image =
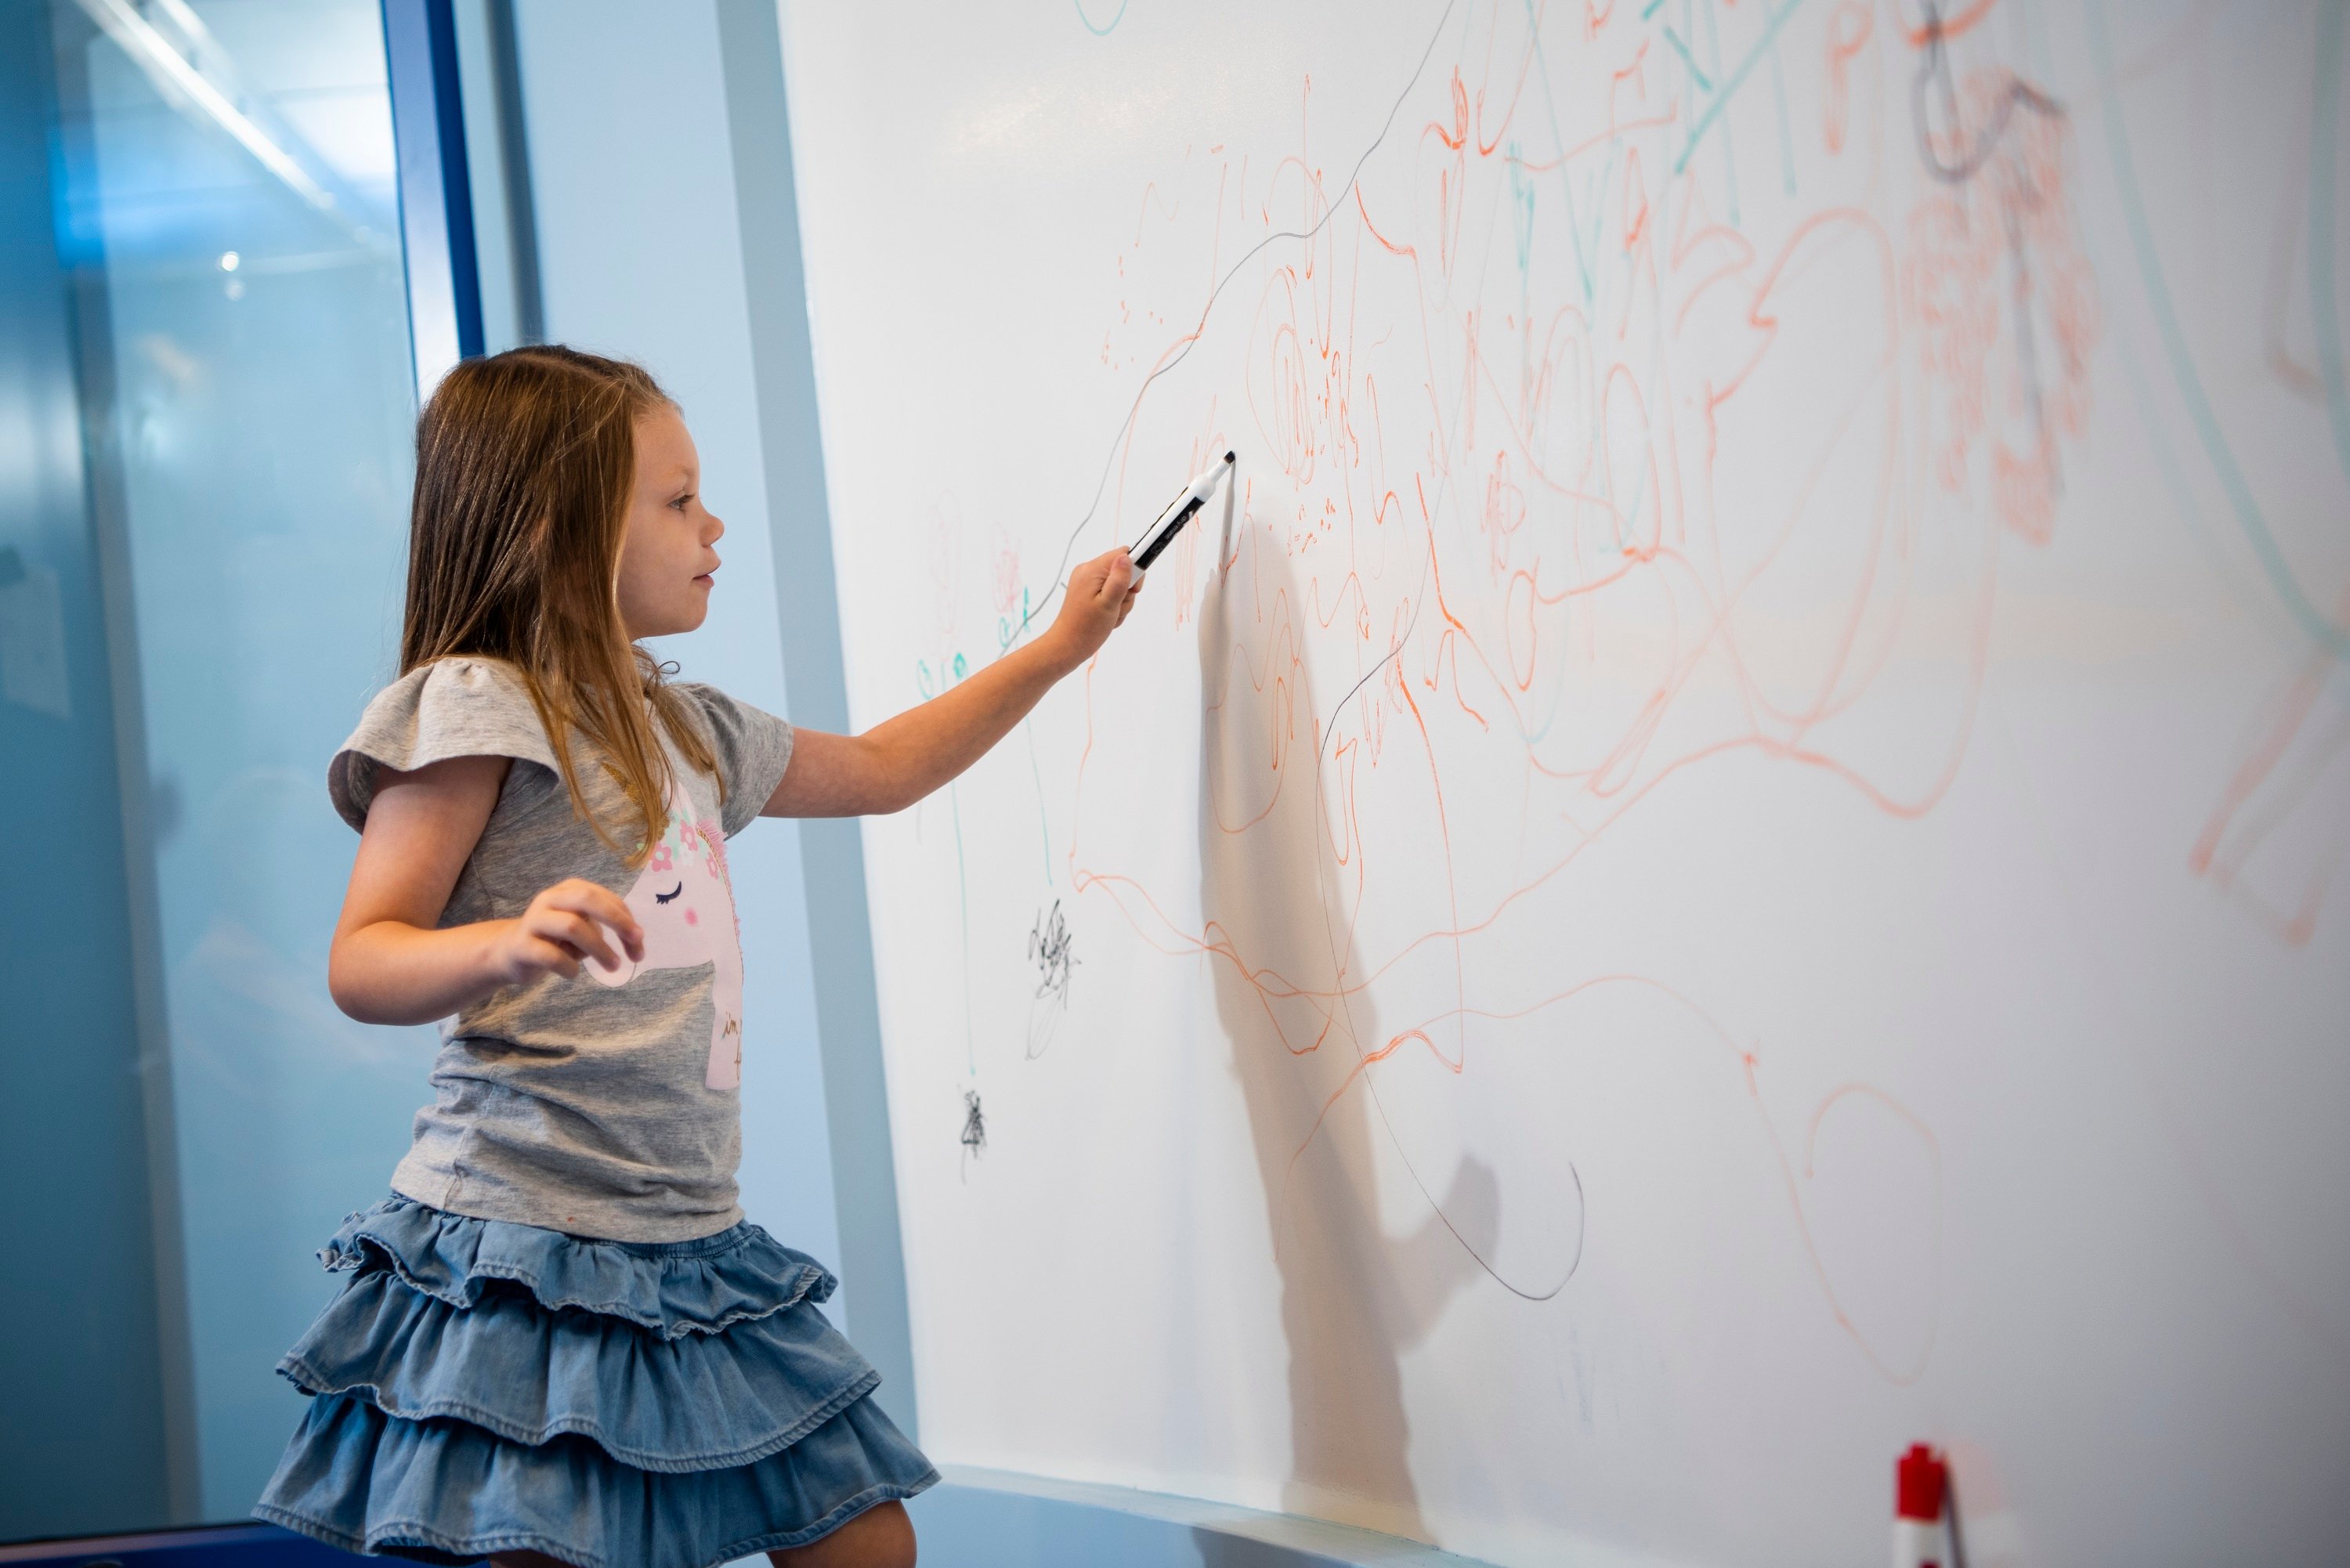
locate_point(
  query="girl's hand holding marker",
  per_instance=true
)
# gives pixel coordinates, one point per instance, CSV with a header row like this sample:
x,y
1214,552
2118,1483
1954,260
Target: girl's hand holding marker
x,y
1100,593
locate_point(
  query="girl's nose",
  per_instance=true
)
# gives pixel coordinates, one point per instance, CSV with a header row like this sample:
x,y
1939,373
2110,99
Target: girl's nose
x,y
717,528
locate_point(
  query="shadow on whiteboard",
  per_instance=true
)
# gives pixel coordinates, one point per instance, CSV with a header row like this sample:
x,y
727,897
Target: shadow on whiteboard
x,y
1289,995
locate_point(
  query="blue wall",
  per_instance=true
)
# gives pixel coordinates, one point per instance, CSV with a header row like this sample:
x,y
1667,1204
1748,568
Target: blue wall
x,y
80,1445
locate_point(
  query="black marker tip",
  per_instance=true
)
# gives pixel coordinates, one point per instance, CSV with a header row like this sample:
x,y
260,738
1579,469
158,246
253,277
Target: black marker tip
x,y
1230,457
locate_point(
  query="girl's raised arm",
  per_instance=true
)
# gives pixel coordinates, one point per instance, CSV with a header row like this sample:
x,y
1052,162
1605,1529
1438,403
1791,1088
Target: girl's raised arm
x,y
390,964
900,760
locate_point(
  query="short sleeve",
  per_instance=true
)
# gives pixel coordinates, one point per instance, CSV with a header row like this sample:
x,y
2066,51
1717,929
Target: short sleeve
x,y
451,708
753,748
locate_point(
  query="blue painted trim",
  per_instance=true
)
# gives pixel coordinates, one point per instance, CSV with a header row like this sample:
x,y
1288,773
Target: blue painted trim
x,y
457,178
436,204
832,852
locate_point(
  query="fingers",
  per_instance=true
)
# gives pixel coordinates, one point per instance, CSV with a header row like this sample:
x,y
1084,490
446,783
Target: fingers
x,y
566,927
577,896
580,934
575,934
1118,575
1099,594
550,957
1101,579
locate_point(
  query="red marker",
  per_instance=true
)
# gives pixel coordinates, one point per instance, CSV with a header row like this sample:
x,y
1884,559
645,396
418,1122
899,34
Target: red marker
x,y
1921,1486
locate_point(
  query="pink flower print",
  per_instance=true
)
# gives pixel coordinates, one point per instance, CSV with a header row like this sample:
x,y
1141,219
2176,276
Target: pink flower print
x,y
661,860
716,840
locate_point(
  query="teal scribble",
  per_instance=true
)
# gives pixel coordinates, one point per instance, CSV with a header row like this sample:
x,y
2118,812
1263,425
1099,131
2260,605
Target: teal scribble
x,y
1697,75
2313,622
1728,142
1103,31
922,677
1566,183
961,668
1594,191
1720,100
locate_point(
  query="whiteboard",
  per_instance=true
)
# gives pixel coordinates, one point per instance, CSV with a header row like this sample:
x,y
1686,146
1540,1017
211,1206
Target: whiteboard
x,y
1729,853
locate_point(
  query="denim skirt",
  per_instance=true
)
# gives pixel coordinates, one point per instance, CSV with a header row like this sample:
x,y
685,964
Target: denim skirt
x,y
482,1386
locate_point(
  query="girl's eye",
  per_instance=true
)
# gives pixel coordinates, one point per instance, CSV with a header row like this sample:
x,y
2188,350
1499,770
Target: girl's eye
x,y
680,504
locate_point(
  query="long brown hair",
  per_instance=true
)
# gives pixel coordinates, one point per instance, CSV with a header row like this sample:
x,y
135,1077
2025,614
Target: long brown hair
x,y
524,461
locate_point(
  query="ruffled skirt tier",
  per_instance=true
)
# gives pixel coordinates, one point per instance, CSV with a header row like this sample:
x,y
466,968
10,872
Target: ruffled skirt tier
x,y
482,1386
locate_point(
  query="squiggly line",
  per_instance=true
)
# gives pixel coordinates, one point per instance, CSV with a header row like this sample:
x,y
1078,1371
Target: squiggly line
x,y
1185,343
2327,633
1935,67
1105,29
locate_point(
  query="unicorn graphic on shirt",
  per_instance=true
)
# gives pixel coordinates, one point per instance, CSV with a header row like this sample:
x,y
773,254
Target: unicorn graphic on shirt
x,y
686,904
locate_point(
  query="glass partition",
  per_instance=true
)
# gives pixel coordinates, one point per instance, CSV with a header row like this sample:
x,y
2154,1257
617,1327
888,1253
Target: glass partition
x,y
207,408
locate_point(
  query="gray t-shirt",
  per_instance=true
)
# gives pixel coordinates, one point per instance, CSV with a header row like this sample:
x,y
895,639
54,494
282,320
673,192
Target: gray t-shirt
x,y
607,1104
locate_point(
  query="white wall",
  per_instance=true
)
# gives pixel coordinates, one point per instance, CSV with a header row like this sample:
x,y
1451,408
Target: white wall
x,y
632,182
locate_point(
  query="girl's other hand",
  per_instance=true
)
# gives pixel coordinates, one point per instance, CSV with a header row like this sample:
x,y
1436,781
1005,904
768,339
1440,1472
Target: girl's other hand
x,y
1100,593
565,927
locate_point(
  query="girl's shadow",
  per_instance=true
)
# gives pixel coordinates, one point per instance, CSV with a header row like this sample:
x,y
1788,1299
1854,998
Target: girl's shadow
x,y
1278,905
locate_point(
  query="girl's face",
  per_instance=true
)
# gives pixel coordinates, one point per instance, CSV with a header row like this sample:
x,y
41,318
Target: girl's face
x,y
666,559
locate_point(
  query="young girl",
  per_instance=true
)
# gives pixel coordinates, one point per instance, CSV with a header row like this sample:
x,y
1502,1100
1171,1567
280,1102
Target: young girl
x,y
560,1340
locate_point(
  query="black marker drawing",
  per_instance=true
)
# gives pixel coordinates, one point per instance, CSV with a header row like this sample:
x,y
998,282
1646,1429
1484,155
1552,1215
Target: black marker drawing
x,y
1052,950
1048,950
974,1127
1934,71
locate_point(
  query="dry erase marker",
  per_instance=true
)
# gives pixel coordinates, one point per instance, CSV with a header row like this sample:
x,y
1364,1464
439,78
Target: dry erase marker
x,y
1921,1486
1179,512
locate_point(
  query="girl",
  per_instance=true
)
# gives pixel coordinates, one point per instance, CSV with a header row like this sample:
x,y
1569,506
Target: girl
x,y
560,1340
